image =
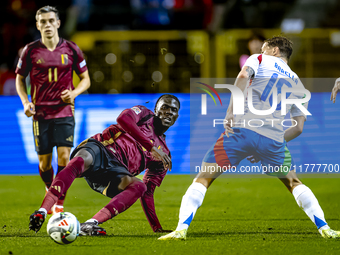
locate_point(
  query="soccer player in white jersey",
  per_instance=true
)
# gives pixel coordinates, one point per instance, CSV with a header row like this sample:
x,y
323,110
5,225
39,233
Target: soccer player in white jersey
x,y
267,143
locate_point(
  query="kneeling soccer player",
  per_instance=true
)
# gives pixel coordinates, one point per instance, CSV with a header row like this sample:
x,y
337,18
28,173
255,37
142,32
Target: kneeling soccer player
x,y
266,143
109,161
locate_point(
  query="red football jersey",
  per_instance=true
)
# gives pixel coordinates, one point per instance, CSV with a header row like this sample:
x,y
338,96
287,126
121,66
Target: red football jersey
x,y
136,155
50,73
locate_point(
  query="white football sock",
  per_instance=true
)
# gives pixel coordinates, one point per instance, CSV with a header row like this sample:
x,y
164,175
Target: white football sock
x,y
191,201
43,210
308,202
92,221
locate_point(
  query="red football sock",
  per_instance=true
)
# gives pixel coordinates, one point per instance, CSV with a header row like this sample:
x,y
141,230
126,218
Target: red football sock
x,y
63,181
62,198
121,202
47,176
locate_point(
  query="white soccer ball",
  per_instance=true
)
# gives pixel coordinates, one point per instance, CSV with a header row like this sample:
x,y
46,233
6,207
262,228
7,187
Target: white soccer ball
x,y
63,228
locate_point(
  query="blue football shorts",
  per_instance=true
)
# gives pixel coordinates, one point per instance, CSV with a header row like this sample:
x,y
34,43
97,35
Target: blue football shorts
x,y
229,152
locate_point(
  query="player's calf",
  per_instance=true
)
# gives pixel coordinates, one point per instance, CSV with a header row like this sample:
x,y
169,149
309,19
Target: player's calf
x,y
36,220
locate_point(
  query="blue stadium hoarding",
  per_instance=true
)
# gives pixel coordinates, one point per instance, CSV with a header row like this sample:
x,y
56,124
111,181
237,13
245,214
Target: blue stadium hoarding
x,y
318,144
93,114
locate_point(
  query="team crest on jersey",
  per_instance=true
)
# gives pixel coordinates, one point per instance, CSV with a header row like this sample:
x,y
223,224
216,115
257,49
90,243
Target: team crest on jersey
x,y
136,110
64,59
19,63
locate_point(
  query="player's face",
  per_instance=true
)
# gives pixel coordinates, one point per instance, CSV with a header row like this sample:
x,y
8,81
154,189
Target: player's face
x,y
48,24
167,111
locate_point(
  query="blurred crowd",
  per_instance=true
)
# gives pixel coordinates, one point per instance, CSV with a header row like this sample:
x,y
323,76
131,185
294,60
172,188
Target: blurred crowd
x,y
17,20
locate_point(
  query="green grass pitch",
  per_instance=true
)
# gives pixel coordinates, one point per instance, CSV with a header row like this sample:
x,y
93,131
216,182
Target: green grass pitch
x,y
238,216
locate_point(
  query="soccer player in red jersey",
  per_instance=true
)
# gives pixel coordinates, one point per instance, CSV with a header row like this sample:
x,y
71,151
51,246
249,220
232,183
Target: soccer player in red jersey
x,y
109,162
50,62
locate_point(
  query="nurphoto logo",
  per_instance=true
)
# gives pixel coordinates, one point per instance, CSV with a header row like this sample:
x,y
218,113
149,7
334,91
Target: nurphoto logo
x,y
238,99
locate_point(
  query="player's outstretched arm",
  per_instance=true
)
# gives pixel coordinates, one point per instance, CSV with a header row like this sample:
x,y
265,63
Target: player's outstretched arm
x,y
148,205
20,85
294,132
335,89
243,78
68,96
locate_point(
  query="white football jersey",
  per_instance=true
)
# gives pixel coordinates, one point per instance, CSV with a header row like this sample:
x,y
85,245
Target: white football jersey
x,y
270,73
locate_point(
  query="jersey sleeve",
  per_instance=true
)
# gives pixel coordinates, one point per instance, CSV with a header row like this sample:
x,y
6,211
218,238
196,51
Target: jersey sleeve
x,y
152,178
129,120
148,205
24,65
79,65
254,62
155,175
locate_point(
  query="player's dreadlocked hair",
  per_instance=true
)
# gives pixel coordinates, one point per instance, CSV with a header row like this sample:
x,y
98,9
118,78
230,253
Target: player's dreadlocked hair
x,y
168,95
284,44
47,9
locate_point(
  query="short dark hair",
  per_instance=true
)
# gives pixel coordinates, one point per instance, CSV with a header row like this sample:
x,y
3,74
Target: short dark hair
x,y
168,95
284,44
47,9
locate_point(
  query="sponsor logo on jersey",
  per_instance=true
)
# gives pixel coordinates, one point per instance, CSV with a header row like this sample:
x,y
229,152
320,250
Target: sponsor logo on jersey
x,y
82,64
64,59
136,110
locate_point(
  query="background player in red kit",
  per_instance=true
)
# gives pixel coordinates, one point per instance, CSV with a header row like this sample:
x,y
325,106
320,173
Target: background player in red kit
x,y
50,62
109,161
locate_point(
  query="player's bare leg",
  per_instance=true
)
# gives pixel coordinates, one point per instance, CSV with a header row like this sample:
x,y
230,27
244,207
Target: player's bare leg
x,y
308,202
193,199
63,159
78,165
46,171
131,188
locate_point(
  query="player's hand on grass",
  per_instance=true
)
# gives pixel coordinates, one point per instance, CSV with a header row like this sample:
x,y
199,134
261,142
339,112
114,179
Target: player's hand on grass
x,y
29,109
253,159
158,154
228,123
335,89
68,96
160,230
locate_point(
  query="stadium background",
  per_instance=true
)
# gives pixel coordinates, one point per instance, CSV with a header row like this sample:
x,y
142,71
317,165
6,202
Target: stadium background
x,y
138,49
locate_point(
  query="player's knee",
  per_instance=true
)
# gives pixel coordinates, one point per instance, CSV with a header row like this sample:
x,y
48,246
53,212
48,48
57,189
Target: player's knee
x,y
86,156
63,158
44,166
139,186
